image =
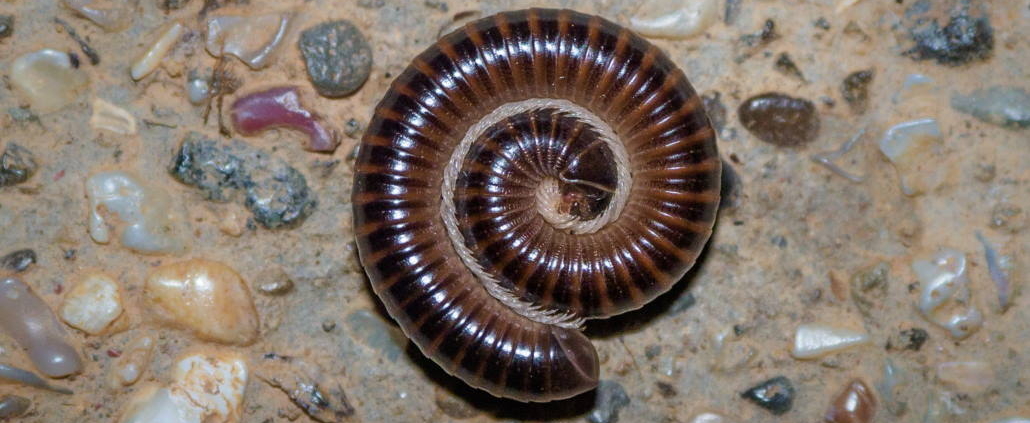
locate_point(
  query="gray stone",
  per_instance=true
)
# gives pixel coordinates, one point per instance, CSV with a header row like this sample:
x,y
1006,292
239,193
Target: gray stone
x,y
1000,105
337,56
275,193
16,165
611,397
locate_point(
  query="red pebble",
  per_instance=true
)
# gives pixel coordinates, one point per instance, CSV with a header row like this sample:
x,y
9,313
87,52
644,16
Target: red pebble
x,y
281,107
114,353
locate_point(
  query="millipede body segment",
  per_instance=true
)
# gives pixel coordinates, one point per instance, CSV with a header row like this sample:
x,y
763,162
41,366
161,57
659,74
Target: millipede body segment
x,y
528,171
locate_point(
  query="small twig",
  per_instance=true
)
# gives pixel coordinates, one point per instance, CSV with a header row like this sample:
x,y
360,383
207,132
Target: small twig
x,y
631,357
94,58
827,158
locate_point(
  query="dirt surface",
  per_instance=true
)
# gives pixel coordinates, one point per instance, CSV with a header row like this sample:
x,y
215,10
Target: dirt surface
x,y
784,254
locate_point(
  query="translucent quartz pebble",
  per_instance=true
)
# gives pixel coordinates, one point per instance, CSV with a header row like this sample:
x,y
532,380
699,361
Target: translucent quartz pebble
x,y
92,304
205,388
1000,105
112,15
205,297
708,417
48,79
945,296
112,118
816,340
252,39
969,377
151,58
675,19
914,148
198,88
147,219
29,321
13,406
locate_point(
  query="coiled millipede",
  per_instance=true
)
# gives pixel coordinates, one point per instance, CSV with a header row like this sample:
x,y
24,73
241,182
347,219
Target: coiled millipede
x,y
528,171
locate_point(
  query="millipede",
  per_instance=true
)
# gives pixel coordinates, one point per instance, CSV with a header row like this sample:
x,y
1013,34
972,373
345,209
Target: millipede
x,y
527,172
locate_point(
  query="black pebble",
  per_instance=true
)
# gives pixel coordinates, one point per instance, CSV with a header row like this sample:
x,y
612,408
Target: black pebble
x,y
775,395
19,260
855,89
780,119
16,165
6,26
962,40
914,338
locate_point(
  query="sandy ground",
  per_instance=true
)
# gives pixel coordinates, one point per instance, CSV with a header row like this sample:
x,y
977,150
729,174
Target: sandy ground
x,y
769,267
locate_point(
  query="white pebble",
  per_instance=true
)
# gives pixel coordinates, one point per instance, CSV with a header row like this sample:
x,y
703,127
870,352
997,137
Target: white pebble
x,y
915,148
48,79
147,219
205,388
675,19
112,118
92,304
253,39
198,89
915,85
205,297
134,361
945,297
112,15
813,340
151,59
708,417
967,376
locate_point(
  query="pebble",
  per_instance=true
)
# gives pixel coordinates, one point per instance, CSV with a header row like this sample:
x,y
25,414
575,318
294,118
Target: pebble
x,y
377,334
913,147
890,388
855,89
92,304
813,340
150,59
775,395
309,386
274,282
48,78
1000,268
18,260
275,193
965,38
785,65
971,377
731,190
112,118
674,19
1006,106
337,56
253,39
133,361
111,15
17,165
205,388
172,4
731,353
205,297
945,297
869,286
912,339
6,26
198,87
11,374
779,119
282,107
1013,420
855,404
13,406
611,397
709,417
147,220
28,320
916,85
